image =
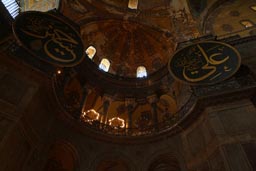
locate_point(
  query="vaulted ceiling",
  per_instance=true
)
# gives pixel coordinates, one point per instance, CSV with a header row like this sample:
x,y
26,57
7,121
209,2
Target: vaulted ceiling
x,y
129,38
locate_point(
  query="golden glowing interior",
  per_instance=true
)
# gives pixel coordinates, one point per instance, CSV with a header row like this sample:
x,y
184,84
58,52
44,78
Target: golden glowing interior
x,y
117,122
133,4
90,115
90,51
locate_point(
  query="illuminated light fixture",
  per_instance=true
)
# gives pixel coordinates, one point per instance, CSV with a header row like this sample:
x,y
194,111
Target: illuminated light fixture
x,y
116,122
12,7
59,72
133,4
90,51
90,115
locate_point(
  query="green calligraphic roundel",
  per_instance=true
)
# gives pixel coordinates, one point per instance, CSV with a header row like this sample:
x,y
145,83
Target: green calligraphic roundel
x,y
207,62
49,38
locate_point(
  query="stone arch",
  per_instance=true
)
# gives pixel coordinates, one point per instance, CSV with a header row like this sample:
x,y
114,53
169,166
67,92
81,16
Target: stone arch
x,y
164,162
167,154
115,160
62,155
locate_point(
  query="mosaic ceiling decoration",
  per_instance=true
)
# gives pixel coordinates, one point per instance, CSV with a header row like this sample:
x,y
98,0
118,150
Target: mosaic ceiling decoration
x,y
129,38
127,34
128,45
39,5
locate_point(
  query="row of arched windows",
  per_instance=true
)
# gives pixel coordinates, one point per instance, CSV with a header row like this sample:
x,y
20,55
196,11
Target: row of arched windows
x,y
105,63
248,23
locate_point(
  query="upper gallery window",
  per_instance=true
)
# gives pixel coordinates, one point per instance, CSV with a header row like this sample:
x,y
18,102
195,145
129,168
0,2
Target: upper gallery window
x,y
246,23
133,4
253,7
141,72
12,6
104,64
39,5
90,51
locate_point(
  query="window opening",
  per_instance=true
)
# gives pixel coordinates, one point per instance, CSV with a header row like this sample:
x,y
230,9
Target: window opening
x,y
12,6
133,4
104,64
141,72
247,23
90,51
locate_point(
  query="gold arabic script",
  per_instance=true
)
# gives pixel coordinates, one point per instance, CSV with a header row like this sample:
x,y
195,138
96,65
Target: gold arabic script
x,y
209,68
63,43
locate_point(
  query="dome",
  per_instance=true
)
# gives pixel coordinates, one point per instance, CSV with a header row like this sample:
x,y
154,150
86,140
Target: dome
x,y
113,110
128,45
123,87
130,38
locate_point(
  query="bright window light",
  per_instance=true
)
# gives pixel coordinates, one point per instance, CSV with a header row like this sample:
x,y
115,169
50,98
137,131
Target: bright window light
x,y
90,51
12,7
104,64
133,4
141,72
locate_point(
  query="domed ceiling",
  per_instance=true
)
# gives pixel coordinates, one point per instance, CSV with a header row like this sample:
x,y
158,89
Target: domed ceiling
x,y
128,45
115,101
146,36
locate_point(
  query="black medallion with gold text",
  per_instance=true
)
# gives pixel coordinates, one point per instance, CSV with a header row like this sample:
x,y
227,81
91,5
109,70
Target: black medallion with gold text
x,y
49,38
207,62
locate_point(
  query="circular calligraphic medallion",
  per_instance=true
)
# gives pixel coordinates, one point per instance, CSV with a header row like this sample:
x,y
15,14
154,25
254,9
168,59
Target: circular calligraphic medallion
x,y
49,38
207,62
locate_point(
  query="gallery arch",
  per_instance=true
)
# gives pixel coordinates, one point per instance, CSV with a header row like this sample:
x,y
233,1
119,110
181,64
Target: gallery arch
x,y
62,156
165,162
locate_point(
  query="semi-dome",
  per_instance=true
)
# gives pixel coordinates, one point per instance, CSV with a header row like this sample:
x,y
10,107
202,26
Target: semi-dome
x,y
123,87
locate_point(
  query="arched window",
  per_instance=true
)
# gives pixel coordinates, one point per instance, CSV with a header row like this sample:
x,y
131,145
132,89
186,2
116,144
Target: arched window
x,y
104,64
90,51
133,4
246,23
12,7
62,156
141,72
253,7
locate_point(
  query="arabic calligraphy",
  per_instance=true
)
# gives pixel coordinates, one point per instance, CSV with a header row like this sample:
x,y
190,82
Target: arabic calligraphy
x,y
49,38
205,63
